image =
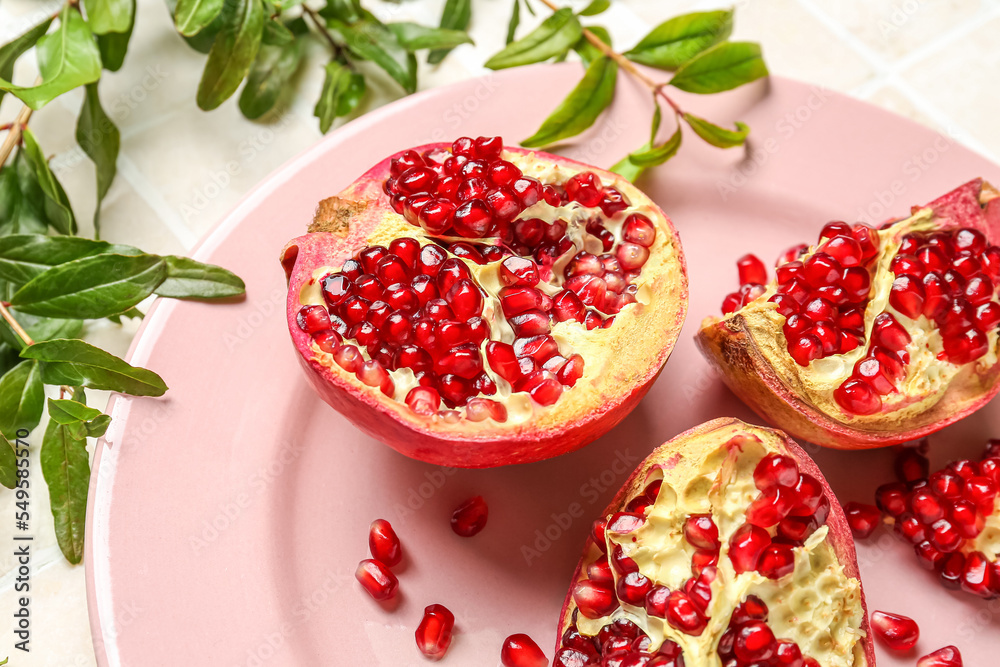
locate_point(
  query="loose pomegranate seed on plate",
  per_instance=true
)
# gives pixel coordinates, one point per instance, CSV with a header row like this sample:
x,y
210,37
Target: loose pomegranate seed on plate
x,y
949,656
434,633
900,633
470,517
376,578
383,543
521,651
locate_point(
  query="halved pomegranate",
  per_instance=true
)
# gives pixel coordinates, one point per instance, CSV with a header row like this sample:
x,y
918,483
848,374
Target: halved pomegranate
x,y
952,519
474,305
725,547
870,337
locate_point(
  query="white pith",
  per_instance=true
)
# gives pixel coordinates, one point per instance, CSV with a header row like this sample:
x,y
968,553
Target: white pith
x,y
596,346
817,606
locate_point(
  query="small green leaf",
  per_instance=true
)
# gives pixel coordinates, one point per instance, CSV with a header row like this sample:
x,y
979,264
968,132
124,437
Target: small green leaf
x,y
581,107
233,52
192,16
79,364
25,256
65,411
14,49
188,279
106,16
276,33
21,199
347,11
674,42
515,20
415,37
455,16
56,204
92,287
588,52
67,58
99,138
38,328
553,38
21,398
715,135
66,468
373,41
8,468
723,67
114,45
271,72
657,155
657,119
337,81
595,7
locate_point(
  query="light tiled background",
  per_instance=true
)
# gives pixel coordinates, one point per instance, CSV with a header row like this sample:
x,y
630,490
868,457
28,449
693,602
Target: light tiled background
x,y
180,169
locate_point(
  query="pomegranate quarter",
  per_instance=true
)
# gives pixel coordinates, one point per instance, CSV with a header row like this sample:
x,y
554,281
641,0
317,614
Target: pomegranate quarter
x,y
870,337
725,547
474,305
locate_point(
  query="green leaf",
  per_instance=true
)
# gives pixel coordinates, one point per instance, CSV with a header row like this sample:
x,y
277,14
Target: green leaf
x,y
372,41
271,72
455,16
192,16
188,279
723,67
99,138
106,16
66,468
581,107
553,38
67,58
38,328
657,155
715,135
657,119
276,33
20,199
92,287
334,84
515,20
55,204
588,52
233,52
674,42
79,364
25,256
8,468
347,11
66,411
114,45
415,37
21,398
14,49
595,7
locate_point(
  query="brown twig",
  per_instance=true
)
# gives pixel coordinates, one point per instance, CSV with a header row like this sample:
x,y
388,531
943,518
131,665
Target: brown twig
x,y
321,25
14,133
15,325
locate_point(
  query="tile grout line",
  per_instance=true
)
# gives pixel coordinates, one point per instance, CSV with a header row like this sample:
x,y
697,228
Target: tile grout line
x,y
131,173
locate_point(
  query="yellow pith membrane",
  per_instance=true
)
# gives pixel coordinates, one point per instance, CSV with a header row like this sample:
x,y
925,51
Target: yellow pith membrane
x,y
913,346
718,552
608,351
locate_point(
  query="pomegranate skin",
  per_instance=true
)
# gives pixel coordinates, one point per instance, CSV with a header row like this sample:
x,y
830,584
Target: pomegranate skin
x,y
693,445
731,348
361,215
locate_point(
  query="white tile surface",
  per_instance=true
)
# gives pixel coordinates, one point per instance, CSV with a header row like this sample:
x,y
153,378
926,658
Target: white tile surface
x,y
181,169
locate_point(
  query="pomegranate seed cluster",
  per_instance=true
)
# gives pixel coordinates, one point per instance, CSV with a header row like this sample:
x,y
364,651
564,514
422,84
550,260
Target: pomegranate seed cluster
x,y
621,643
789,507
947,277
942,514
419,307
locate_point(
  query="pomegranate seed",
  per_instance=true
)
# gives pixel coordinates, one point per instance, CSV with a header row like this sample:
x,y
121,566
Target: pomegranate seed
x,y
521,651
857,397
404,161
519,271
623,523
751,270
863,519
965,347
632,588
424,400
638,229
822,269
336,288
470,517
776,561
433,635
754,642
594,600
949,656
844,249
488,148
613,202
834,228
416,179
584,188
770,507
473,219
328,341
776,470
907,296
312,319
383,543
746,546
684,615
805,348
898,632
632,256
376,578
349,358
701,532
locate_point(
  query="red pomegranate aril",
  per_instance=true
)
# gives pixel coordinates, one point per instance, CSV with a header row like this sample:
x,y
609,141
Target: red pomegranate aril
x,y
770,507
600,572
863,519
519,271
965,347
701,532
519,299
638,229
684,615
545,389
844,249
521,651
384,543
348,357
376,578
584,188
949,656
776,561
632,256
907,296
337,288
312,319
328,340
433,635
926,506
632,589
899,633
423,400
805,349
746,546
751,270
470,517
754,642
473,219
594,600
465,299
821,269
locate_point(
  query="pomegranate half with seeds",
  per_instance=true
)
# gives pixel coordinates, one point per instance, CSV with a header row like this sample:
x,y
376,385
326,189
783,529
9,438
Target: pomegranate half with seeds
x,y
870,337
476,305
725,547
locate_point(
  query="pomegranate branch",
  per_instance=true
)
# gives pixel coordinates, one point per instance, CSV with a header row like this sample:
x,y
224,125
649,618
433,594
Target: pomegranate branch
x,y
15,325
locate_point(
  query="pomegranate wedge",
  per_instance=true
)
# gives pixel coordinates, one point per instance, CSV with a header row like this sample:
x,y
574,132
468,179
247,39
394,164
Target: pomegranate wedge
x,y
870,337
725,547
474,305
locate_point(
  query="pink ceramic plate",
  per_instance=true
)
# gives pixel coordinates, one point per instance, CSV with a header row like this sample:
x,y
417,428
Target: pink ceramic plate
x,y
226,519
